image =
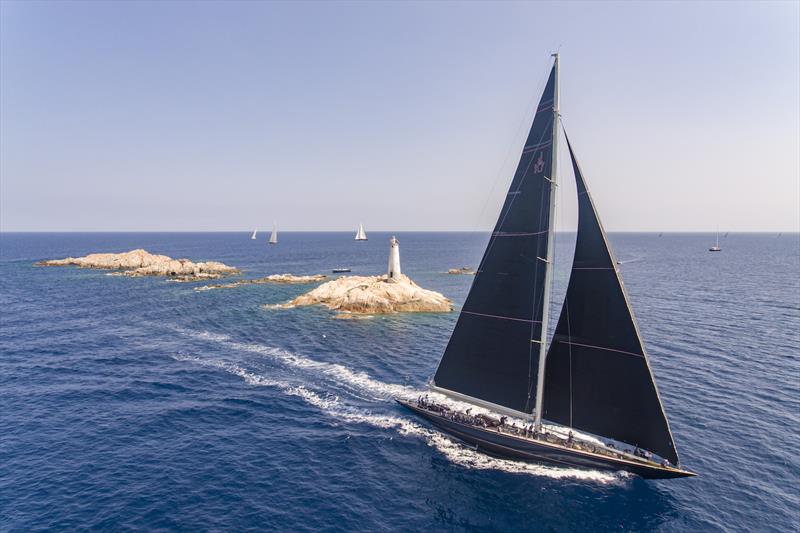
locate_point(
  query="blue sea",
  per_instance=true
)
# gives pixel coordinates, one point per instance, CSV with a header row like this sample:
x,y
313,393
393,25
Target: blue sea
x,y
139,403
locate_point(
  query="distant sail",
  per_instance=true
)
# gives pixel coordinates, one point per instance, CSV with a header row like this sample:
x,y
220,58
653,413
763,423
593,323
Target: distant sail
x,y
716,247
493,354
360,234
273,239
598,377
253,236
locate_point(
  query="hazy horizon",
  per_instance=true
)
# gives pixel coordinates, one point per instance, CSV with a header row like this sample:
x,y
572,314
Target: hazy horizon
x,y
398,232
179,116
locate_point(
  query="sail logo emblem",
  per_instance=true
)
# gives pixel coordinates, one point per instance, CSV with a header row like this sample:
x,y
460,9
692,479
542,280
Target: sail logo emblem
x,y
539,166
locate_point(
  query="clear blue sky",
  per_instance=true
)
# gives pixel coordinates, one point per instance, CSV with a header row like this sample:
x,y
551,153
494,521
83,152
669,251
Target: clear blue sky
x,y
227,116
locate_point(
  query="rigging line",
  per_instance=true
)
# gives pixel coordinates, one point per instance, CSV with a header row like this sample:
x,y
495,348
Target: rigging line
x,y
558,222
623,352
556,241
540,89
533,312
504,213
522,180
552,128
516,234
499,317
569,345
543,327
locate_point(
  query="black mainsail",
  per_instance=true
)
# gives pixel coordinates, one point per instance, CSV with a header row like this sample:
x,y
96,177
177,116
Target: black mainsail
x,y
493,353
595,376
598,376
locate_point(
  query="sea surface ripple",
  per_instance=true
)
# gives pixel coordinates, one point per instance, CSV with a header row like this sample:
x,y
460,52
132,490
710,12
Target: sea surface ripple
x,y
138,403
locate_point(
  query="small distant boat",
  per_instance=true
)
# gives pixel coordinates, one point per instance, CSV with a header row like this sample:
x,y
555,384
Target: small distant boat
x,y
716,247
660,234
253,236
779,234
361,234
273,239
340,270
725,236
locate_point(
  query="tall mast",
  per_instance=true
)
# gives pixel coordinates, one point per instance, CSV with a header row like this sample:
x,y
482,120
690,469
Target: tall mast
x,y
549,264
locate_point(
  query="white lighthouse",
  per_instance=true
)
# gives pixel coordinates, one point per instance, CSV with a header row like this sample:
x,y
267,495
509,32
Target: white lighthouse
x,y
394,259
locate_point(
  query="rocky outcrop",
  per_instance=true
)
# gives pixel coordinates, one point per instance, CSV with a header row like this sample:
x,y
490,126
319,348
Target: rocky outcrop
x,y
373,295
274,278
138,263
462,270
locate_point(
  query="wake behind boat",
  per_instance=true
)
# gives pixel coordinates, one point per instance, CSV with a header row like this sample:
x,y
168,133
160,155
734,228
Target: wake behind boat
x,y
595,376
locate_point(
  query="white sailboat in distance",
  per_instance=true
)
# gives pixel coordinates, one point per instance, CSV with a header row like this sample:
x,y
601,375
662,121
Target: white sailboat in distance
x,y
361,234
716,247
273,239
253,236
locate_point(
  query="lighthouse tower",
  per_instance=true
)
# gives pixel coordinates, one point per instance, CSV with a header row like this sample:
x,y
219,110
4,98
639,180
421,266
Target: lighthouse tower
x,y
394,259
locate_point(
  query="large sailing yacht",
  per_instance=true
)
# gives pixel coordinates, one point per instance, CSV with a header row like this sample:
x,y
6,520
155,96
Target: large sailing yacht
x,y
589,399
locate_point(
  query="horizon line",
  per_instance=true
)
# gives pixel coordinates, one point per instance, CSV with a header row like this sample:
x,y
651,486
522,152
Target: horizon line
x,y
693,231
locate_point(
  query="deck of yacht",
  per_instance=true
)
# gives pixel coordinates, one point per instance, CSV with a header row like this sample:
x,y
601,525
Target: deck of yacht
x,y
527,432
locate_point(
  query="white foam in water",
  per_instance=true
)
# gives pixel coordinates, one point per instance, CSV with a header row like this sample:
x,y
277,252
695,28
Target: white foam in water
x,y
337,372
455,452
360,380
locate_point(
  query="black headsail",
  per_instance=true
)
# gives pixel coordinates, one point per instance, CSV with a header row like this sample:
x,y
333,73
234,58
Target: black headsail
x,y
598,376
493,354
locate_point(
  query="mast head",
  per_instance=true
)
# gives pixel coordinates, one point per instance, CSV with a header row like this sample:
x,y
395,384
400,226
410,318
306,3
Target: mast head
x,y
556,61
